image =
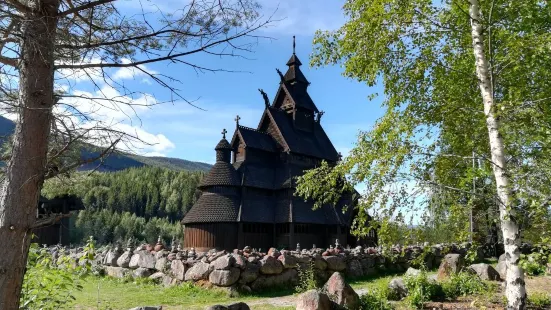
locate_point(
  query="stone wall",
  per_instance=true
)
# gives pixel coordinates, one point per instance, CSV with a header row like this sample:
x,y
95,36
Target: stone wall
x,y
251,270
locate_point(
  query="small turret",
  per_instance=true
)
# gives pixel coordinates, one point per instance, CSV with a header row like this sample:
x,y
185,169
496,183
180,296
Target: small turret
x,y
223,149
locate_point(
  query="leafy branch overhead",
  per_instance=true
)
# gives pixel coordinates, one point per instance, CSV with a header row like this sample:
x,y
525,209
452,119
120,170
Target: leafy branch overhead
x,y
466,124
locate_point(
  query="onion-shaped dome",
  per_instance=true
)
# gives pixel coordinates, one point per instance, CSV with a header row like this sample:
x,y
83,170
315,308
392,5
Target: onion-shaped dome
x,y
223,145
221,174
213,207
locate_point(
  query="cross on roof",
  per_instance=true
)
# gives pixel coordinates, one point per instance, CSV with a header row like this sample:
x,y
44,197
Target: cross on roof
x,y
294,45
224,132
237,118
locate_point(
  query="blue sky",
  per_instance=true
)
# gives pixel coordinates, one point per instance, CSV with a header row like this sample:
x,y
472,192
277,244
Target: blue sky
x,y
182,131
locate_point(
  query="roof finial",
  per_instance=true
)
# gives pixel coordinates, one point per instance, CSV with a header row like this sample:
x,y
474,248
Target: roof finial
x,y
265,96
237,118
224,132
294,45
280,75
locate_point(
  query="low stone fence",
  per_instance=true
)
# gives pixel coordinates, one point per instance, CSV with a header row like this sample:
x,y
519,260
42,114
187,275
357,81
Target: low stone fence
x,y
251,270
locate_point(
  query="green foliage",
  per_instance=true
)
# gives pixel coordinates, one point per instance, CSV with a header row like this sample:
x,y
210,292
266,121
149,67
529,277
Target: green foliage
x,y
539,300
421,289
50,284
471,256
420,260
462,284
307,278
533,264
418,157
139,203
145,191
109,226
376,300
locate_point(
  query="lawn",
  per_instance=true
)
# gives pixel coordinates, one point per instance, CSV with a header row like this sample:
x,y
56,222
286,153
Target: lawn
x,y
106,293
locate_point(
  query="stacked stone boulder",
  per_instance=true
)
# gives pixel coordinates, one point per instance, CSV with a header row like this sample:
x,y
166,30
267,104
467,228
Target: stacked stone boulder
x,y
252,270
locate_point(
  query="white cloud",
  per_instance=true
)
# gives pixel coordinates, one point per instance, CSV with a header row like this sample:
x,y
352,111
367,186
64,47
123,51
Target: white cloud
x,y
303,17
79,75
131,72
107,108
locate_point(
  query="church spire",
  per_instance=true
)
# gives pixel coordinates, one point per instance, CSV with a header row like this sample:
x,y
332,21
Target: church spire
x,y
294,74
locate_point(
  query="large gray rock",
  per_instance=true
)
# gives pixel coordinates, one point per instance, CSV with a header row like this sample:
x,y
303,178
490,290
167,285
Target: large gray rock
x,y
142,259
288,261
178,269
270,265
485,272
335,263
354,269
111,258
249,274
116,272
320,263
224,277
124,260
286,279
314,300
141,273
157,277
240,261
224,262
397,288
451,264
412,272
238,306
341,293
199,271
501,268
235,306
169,281
161,264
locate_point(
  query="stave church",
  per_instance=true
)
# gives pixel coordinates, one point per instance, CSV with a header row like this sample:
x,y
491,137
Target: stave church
x,y
247,198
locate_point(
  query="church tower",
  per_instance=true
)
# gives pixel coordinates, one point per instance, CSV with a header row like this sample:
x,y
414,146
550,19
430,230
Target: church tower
x,y
250,201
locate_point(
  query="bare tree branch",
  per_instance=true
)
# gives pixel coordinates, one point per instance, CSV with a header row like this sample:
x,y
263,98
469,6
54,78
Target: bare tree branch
x,y
19,6
86,6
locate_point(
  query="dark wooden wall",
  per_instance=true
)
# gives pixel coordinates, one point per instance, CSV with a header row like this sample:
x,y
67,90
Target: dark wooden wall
x,y
205,236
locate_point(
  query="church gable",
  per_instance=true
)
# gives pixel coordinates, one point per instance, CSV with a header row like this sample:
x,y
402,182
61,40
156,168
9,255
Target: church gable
x,y
269,126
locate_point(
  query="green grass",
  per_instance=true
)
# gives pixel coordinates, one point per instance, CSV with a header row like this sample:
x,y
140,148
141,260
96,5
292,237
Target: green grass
x,y
107,293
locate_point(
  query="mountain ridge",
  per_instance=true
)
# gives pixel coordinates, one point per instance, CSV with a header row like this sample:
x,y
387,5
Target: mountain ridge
x,y
118,160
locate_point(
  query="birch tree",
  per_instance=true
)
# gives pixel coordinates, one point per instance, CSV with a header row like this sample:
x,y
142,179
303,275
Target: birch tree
x,y
46,43
462,81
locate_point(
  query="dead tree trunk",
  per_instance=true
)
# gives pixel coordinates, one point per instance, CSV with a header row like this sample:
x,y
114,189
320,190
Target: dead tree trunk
x,y
515,290
25,171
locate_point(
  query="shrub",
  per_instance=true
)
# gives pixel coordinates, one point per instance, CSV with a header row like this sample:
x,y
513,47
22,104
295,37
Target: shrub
x,y
533,264
306,278
462,284
421,289
50,285
539,300
375,299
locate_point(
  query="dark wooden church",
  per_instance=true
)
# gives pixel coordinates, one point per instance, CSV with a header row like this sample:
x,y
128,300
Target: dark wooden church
x,y
247,197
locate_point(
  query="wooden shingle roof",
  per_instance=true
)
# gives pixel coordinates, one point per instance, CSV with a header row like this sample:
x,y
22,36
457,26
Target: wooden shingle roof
x,y
253,138
314,143
213,207
221,174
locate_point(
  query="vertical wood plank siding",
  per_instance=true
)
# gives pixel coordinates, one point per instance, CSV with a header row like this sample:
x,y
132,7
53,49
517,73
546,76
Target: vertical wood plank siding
x,y
220,236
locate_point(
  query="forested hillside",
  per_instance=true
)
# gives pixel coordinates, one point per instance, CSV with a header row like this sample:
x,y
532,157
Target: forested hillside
x,y
141,203
117,160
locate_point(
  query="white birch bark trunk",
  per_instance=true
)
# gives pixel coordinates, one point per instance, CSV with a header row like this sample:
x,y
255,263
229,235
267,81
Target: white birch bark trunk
x,y
515,290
